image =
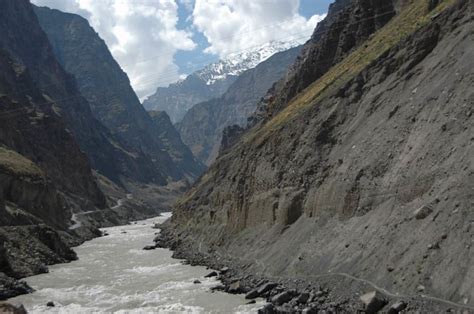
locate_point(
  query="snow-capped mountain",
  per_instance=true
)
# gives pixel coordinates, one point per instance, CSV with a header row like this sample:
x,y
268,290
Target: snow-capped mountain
x,y
211,81
237,63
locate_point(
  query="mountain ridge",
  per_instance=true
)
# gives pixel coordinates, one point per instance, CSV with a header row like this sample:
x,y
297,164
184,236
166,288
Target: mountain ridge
x,y
202,126
113,101
210,82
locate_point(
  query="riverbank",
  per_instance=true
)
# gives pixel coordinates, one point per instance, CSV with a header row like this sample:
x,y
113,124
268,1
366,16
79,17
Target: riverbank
x,y
330,292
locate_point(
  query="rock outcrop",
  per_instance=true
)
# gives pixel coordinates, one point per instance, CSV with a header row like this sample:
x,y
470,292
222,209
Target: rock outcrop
x,y
324,187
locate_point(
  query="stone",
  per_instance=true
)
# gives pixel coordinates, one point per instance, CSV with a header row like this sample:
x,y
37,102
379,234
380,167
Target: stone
x,y
252,294
235,287
303,298
218,288
211,274
50,304
422,212
420,288
251,302
373,301
309,310
149,247
267,309
224,270
266,287
282,297
196,281
397,307
260,290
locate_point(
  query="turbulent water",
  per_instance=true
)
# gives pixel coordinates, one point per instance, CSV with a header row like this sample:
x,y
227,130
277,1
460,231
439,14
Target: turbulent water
x,y
114,274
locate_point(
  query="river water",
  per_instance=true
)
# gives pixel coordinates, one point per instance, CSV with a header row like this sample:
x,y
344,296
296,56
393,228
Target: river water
x,y
114,274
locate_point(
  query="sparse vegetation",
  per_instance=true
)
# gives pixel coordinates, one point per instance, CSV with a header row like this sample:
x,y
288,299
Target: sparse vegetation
x,y
14,163
414,16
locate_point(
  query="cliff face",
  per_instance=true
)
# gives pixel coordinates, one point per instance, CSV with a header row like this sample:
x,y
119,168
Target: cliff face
x,y
367,172
47,137
44,176
107,89
27,43
202,126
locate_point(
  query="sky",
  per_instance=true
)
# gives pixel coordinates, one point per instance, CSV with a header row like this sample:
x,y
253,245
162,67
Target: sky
x,y
156,42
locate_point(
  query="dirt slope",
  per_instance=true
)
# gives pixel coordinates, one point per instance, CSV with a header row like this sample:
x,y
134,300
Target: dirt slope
x,y
369,171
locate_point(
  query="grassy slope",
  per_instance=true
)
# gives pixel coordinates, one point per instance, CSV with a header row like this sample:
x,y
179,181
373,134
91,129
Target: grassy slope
x,y
413,17
14,163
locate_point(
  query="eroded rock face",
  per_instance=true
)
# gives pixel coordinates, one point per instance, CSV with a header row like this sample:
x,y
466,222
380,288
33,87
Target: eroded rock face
x,y
332,182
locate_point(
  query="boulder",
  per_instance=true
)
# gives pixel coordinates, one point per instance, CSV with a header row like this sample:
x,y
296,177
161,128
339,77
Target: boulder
x,y
218,288
252,294
235,287
397,307
310,310
423,212
149,247
374,301
260,290
302,298
50,304
267,309
224,270
196,281
266,287
211,274
282,297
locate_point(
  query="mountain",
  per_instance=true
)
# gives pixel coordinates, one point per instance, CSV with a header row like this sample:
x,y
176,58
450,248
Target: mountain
x,y
105,153
61,170
107,88
211,81
44,175
202,126
358,178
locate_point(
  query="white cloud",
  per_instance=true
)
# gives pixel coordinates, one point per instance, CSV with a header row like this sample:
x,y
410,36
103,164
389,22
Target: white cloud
x,y
236,25
142,36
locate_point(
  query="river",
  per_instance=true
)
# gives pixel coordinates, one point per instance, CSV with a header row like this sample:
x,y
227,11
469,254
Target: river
x,y
114,274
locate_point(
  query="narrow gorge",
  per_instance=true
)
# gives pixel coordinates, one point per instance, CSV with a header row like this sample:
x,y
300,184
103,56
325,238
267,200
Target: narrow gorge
x,y
289,157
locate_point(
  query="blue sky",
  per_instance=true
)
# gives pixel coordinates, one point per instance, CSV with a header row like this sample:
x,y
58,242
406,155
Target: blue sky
x,y
190,61
158,41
